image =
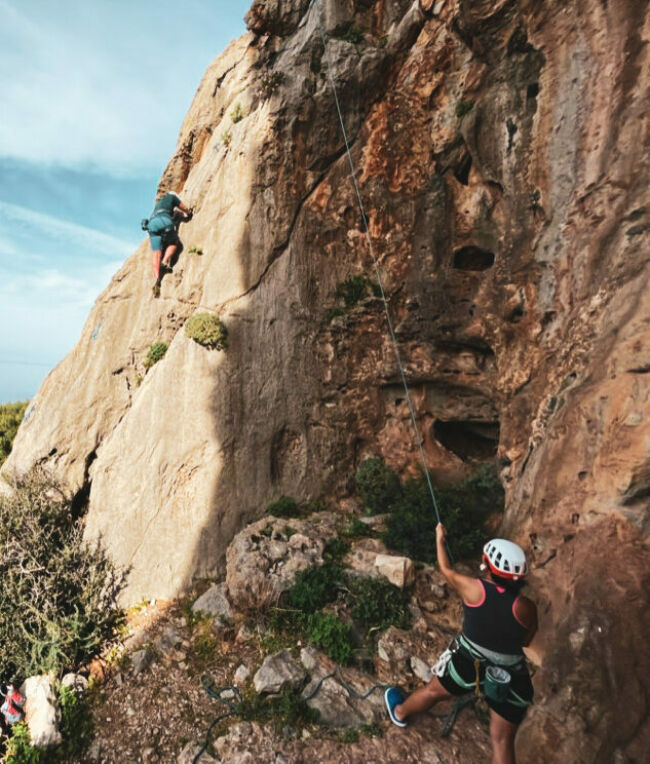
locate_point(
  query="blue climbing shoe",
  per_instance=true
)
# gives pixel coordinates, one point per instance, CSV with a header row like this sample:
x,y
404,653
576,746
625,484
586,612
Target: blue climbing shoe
x,y
393,697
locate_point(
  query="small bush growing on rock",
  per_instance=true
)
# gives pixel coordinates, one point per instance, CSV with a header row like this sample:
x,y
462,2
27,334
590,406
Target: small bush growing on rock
x,y
410,528
156,353
226,138
286,708
208,330
353,34
76,723
378,485
355,529
354,289
376,603
315,587
285,506
11,415
59,597
270,83
463,108
330,634
194,250
237,113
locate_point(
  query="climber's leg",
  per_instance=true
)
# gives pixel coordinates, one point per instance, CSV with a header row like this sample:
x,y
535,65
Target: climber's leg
x,y
502,735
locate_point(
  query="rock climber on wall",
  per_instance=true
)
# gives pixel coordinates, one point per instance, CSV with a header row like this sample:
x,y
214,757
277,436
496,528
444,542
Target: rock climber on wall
x,y
498,622
161,226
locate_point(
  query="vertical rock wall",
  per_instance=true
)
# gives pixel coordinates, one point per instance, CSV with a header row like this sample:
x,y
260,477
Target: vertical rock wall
x,y
502,152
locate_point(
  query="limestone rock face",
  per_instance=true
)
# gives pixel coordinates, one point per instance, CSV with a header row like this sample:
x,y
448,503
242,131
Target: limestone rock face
x,y
501,151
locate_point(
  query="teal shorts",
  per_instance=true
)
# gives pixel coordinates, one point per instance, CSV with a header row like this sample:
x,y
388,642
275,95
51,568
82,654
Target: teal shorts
x,y
162,232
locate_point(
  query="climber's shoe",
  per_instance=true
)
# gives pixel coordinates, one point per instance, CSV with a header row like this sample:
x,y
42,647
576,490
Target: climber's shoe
x,y
155,290
393,697
166,268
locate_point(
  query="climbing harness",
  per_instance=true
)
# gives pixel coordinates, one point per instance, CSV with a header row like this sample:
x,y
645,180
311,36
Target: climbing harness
x,y
497,679
389,321
230,697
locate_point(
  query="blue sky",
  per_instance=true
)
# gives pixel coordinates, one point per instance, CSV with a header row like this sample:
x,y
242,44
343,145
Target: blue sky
x,y
92,98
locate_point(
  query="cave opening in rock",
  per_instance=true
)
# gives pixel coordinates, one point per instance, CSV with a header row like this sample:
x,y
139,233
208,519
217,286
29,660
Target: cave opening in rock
x,y
473,258
469,440
462,169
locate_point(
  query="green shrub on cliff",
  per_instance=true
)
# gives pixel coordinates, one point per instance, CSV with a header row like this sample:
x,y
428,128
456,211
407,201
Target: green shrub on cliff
x,y
156,353
378,485
208,330
59,596
11,415
410,527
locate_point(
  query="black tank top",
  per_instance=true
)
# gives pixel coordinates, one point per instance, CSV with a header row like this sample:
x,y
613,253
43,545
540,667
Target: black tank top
x,y
492,624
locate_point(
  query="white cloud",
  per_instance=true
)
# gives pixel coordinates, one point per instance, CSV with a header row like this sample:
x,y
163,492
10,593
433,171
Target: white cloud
x,y
105,82
51,232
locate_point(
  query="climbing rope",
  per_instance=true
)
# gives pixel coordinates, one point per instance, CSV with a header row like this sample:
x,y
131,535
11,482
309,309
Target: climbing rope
x,y
389,321
234,705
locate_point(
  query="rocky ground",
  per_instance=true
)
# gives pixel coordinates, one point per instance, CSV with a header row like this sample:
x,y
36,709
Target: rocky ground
x,y
150,705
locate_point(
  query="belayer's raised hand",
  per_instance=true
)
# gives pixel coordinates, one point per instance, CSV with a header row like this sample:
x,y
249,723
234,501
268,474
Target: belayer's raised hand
x,y
441,533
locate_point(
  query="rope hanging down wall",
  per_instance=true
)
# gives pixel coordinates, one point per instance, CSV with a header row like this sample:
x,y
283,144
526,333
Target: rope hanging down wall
x,y
389,321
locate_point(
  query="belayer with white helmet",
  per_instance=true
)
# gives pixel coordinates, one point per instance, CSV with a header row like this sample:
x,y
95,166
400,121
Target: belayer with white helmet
x,y
487,657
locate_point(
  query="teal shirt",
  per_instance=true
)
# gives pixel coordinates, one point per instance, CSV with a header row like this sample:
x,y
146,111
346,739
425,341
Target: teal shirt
x,y
167,204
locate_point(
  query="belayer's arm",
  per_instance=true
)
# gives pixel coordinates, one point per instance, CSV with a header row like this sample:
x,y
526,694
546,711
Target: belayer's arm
x,y
470,589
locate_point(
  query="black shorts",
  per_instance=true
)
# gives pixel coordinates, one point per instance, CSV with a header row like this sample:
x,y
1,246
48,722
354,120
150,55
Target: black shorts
x,y
520,683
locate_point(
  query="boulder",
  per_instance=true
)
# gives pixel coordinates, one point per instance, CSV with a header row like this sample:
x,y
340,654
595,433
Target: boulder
x,y
420,668
189,753
214,602
141,660
278,671
241,674
393,645
256,574
76,682
398,570
42,712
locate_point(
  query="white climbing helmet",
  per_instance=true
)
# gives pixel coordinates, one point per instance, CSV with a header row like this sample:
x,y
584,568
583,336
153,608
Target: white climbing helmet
x,y
505,559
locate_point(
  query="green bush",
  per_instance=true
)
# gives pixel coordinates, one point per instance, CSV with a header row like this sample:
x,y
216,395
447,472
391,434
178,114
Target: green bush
x,y
355,529
59,596
463,108
11,415
355,288
285,506
226,138
208,330
287,708
315,587
76,723
270,83
353,34
410,528
376,604
378,485
330,634
156,353
237,113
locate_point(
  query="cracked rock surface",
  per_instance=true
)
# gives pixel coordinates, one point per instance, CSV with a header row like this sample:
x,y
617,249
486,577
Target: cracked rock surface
x,y
502,153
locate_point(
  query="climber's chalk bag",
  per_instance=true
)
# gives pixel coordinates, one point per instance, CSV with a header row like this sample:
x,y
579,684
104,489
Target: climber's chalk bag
x,y
497,684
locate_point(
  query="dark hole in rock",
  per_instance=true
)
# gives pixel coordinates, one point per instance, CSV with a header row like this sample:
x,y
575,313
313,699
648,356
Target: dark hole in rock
x,y
532,91
468,439
512,129
516,314
462,169
473,258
